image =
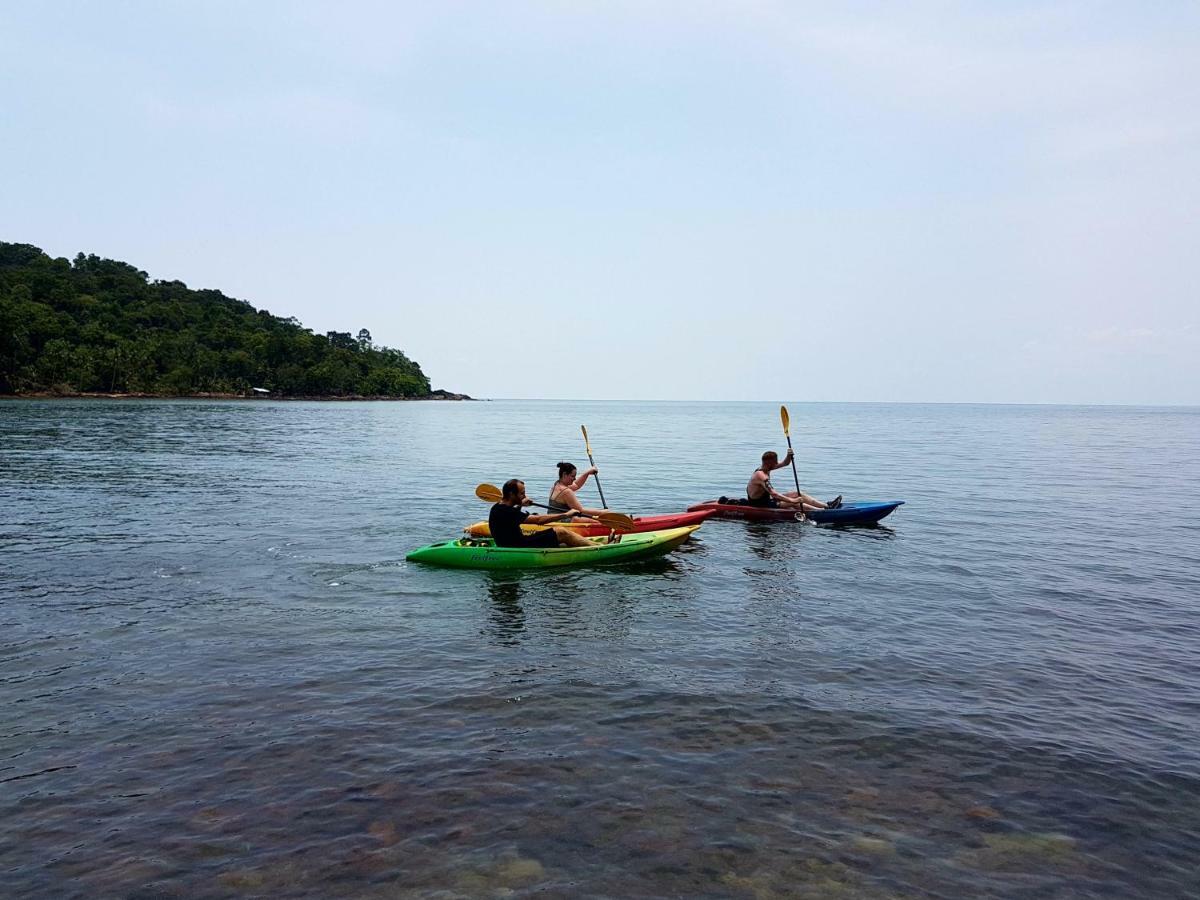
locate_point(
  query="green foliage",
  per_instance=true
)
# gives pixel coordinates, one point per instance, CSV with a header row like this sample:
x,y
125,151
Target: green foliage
x,y
96,324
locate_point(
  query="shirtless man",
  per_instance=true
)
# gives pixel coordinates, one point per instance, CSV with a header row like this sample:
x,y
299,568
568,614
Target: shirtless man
x,y
760,491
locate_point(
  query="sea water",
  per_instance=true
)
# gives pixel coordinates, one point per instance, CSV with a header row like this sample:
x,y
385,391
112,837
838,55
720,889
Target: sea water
x,y
219,676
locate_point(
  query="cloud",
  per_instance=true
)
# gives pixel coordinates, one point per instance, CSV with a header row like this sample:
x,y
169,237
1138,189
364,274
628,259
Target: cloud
x,y
1117,136
1051,79
318,114
1084,342
983,60
1114,335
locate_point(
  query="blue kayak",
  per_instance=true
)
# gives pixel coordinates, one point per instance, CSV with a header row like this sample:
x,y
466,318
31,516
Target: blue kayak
x,y
862,512
865,512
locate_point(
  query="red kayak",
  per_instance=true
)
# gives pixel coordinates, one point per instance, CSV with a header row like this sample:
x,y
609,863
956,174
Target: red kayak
x,y
592,528
860,513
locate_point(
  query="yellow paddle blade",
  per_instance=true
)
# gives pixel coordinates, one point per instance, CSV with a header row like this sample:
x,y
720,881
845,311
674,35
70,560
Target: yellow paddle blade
x,y
586,445
489,493
616,521
786,419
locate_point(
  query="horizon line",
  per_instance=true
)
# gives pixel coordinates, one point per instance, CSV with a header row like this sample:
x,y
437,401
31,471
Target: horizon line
x,y
831,402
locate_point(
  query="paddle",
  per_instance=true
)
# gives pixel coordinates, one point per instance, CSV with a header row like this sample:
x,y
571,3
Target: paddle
x,y
616,521
786,419
592,462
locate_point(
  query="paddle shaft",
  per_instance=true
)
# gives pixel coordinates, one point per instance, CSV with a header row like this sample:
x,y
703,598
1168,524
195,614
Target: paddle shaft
x,y
787,433
587,446
489,493
545,507
610,525
795,476
599,489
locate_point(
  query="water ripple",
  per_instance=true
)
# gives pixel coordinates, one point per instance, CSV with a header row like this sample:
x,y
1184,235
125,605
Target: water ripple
x,y
218,676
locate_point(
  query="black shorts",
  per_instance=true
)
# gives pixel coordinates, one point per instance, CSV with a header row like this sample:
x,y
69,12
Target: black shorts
x,y
540,539
766,500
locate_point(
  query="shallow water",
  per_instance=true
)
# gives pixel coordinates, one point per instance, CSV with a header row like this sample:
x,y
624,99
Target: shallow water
x,y
219,677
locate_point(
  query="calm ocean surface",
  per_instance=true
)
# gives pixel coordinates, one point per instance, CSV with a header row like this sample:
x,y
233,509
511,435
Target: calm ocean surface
x,y
218,676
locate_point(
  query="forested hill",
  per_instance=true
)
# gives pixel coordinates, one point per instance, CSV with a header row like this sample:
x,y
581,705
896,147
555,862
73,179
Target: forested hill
x,y
100,325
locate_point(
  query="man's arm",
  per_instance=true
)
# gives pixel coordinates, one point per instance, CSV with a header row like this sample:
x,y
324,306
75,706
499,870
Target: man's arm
x,y
778,496
765,483
548,518
785,462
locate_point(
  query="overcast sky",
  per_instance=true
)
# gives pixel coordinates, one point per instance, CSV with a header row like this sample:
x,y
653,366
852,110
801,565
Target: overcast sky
x,y
863,201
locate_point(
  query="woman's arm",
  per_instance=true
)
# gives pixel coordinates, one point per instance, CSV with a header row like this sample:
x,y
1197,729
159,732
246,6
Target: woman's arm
x,y
582,479
567,498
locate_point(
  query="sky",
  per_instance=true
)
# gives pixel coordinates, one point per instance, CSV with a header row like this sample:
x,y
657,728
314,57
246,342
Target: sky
x,y
928,202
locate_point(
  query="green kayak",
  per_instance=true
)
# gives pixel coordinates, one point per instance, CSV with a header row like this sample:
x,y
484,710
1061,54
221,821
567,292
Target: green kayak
x,y
479,553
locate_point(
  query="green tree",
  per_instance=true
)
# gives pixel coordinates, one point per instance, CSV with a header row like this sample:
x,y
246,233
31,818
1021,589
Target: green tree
x,y
94,324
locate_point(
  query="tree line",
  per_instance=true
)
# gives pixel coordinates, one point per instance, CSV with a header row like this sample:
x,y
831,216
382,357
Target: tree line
x,y
99,325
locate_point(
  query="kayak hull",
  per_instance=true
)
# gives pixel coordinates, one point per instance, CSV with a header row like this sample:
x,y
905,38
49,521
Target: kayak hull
x,y
479,553
863,512
592,528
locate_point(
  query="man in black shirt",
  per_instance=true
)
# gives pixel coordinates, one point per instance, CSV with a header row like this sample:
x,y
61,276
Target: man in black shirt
x,y
507,517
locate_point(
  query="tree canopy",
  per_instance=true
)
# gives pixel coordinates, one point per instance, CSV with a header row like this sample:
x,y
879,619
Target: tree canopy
x,y
98,325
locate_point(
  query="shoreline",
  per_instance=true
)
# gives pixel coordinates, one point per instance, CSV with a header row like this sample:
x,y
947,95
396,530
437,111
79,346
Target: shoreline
x,y
438,395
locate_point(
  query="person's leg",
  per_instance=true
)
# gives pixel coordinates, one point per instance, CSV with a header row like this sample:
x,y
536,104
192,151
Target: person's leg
x,y
543,539
567,537
804,499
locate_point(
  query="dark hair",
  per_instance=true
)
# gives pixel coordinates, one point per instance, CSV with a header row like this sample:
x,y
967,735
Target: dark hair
x,y
512,489
565,467
770,454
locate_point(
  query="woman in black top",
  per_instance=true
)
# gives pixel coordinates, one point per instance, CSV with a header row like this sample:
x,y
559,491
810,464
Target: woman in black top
x,y
562,495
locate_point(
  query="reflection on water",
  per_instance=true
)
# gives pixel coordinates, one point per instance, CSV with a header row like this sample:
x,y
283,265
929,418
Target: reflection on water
x,y
507,619
218,676
766,540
